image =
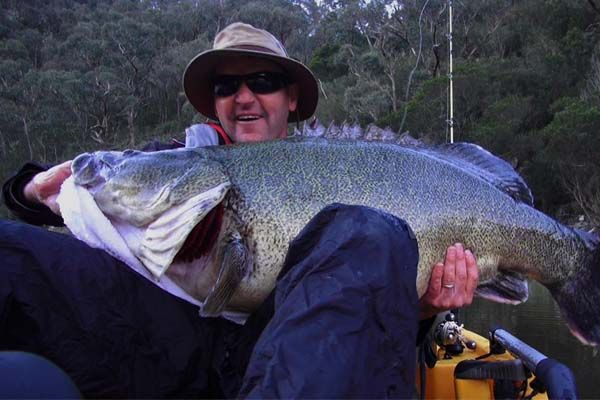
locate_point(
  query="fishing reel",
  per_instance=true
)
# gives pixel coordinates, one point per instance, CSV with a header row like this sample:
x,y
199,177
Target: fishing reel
x,y
448,335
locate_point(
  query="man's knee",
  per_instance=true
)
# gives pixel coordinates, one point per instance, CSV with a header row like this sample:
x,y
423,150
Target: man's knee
x,y
26,375
367,228
356,238
380,224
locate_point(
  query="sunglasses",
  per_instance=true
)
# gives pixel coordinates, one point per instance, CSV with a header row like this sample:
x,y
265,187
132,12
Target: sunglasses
x,y
259,83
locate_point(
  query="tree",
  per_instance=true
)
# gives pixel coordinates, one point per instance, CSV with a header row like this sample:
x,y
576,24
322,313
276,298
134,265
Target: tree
x,y
573,144
78,75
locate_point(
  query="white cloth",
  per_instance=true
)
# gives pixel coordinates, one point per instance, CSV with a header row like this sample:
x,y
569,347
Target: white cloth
x,y
201,135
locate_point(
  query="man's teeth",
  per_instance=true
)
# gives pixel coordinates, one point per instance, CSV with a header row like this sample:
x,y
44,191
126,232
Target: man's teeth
x,y
247,117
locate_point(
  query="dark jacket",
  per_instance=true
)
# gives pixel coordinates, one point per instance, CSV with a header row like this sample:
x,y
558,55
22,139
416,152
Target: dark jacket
x,y
341,323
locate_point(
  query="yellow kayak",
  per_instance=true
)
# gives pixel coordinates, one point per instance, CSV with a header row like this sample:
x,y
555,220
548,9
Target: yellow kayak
x,y
461,364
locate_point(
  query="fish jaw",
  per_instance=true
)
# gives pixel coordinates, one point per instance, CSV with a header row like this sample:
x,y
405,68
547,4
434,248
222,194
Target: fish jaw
x,y
164,237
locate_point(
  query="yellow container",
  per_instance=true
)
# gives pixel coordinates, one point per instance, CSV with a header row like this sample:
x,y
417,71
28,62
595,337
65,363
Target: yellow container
x,y
440,382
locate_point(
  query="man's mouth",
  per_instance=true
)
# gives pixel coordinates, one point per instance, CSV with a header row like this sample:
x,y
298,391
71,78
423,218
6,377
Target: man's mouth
x,y
247,118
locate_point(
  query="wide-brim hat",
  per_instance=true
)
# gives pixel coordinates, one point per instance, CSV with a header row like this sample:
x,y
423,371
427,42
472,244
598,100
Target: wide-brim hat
x,y
243,39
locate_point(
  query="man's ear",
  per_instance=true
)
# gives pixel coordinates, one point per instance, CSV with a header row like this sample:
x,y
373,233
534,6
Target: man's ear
x,y
293,97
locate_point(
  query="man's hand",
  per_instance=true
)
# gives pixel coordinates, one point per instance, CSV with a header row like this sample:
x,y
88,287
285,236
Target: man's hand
x,y
452,283
44,187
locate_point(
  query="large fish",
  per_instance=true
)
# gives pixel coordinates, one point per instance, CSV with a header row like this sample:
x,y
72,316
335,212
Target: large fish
x,y
218,220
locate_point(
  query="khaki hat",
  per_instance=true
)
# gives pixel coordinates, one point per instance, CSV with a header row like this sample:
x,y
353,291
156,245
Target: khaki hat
x,y
243,39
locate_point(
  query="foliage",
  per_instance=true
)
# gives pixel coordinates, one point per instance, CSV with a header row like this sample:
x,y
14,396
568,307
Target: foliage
x,y
325,62
81,75
571,151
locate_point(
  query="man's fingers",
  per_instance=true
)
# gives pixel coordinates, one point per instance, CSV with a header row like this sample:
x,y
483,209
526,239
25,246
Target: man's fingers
x,y
50,184
429,302
472,273
47,183
45,186
51,203
461,267
452,283
449,268
435,282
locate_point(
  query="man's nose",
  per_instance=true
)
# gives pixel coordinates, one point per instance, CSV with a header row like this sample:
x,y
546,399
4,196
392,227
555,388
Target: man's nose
x,y
244,94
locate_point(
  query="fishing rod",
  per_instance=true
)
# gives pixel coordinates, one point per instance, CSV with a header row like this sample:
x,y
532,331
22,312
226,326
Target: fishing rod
x,y
451,85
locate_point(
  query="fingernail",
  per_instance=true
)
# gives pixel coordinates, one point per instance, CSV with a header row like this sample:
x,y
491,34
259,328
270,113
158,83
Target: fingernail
x,y
43,177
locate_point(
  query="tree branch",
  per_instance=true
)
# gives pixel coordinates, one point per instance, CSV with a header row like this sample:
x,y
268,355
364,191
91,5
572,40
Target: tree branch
x,y
594,6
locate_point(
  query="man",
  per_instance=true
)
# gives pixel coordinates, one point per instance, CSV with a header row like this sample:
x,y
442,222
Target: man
x,y
249,84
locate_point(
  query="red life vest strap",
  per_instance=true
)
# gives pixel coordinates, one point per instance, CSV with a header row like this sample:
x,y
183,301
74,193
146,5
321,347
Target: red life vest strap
x,y
220,131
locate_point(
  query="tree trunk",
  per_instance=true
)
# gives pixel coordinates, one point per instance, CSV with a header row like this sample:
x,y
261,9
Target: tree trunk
x,y
3,146
394,96
131,127
26,131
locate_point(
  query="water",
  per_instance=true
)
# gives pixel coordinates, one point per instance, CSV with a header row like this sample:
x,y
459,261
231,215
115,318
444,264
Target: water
x,y
537,322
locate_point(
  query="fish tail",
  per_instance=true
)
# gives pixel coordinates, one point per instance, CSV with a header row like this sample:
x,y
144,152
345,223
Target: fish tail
x,y
579,296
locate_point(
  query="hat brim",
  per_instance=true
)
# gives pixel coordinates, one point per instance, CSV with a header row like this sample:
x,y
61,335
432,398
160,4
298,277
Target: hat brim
x,y
198,88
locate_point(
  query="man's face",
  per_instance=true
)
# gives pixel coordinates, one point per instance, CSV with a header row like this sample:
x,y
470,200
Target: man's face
x,y
250,117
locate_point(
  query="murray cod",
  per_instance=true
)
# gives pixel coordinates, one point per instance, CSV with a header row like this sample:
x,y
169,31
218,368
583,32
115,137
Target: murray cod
x,y
218,220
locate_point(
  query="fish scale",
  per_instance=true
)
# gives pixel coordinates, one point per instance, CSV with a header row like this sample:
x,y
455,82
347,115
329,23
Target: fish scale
x,y
447,194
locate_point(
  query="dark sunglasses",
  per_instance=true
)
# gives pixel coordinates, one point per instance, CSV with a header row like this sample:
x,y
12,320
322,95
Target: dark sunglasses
x,y
258,82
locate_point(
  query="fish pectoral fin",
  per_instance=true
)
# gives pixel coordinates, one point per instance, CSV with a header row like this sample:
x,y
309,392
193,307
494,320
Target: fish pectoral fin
x,y
506,287
233,266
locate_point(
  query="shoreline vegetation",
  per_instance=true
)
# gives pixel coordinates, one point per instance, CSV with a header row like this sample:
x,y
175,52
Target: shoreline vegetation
x,y
99,74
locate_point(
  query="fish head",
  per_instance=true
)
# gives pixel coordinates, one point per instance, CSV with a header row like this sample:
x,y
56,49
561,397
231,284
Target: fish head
x,y
155,200
91,169
138,187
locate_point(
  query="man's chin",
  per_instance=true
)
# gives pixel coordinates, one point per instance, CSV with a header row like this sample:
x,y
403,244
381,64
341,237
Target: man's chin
x,y
254,135
251,137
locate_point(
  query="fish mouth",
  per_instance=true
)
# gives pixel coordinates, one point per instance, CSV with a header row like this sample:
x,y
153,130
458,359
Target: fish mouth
x,y
164,238
203,236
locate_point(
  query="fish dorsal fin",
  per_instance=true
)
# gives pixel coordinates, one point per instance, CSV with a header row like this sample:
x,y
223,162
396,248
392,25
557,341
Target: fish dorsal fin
x,y
347,131
487,166
373,132
313,128
467,156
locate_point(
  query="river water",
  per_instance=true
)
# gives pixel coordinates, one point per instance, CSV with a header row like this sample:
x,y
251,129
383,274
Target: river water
x,y
538,323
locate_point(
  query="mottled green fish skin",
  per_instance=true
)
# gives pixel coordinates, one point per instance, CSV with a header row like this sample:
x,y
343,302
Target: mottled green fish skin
x,y
278,186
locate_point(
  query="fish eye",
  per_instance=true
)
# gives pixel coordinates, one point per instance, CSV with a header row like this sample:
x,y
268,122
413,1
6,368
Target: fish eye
x,y
110,159
106,163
